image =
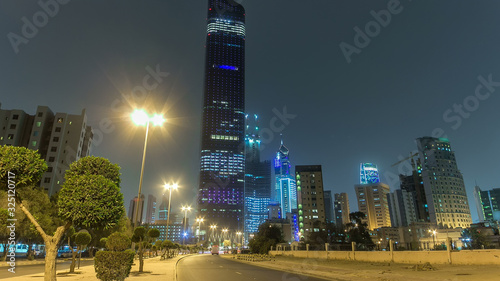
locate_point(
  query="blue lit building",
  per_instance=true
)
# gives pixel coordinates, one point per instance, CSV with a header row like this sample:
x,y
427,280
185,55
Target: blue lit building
x,y
285,189
222,171
257,179
368,173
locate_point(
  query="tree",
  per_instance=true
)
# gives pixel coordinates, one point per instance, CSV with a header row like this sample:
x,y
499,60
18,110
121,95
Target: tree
x,y
70,235
267,236
138,237
358,233
82,239
90,196
475,238
4,231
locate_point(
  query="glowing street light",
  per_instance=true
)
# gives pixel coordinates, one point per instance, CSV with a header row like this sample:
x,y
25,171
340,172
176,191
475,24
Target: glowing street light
x,y
213,227
140,117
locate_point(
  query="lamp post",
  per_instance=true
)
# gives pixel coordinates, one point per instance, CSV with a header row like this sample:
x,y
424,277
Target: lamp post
x,y
224,231
185,209
169,187
140,117
213,227
239,233
199,221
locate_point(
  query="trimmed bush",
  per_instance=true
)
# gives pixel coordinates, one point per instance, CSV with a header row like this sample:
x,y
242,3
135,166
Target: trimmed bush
x,y
117,242
111,266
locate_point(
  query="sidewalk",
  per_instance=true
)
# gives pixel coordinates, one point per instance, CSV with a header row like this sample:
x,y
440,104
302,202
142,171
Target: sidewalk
x,y
354,270
154,268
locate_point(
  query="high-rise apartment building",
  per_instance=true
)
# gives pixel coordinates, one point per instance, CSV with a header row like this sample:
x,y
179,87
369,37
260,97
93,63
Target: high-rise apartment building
x,y
285,189
151,209
311,201
60,139
329,214
372,201
488,204
444,185
368,173
341,205
257,179
414,184
222,171
402,208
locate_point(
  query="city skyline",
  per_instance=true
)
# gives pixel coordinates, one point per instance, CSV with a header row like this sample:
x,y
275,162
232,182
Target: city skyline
x,y
412,93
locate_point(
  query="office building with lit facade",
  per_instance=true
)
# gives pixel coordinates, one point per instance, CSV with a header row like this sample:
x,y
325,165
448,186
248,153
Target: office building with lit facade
x,y
222,171
60,139
372,201
257,179
285,189
368,173
443,183
488,204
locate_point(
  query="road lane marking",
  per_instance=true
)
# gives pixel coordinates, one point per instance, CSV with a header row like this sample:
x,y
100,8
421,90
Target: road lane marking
x,y
238,272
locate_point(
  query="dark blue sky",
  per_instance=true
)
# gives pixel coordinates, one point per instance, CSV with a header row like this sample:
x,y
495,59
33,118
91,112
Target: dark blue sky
x,y
92,54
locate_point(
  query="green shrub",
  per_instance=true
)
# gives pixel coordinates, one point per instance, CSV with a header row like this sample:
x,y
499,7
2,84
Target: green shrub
x,y
110,266
118,242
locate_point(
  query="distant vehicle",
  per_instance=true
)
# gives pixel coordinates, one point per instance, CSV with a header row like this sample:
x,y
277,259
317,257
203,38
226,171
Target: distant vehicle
x,y
215,250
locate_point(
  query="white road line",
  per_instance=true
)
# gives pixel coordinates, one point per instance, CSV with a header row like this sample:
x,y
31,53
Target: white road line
x,y
238,272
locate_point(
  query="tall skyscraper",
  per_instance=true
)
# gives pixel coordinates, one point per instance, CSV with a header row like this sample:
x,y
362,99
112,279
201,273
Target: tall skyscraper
x,y
134,216
488,204
222,172
311,201
443,183
163,208
402,208
341,205
372,200
368,173
60,139
414,184
151,209
257,179
329,214
285,190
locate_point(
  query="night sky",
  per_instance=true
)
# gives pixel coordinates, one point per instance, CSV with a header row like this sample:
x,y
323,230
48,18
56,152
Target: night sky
x,y
92,54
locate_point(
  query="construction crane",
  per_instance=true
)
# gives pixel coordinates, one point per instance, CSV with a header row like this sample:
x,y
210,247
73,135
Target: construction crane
x,y
413,154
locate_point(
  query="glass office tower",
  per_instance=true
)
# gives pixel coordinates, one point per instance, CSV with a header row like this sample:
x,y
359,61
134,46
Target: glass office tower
x,y
221,189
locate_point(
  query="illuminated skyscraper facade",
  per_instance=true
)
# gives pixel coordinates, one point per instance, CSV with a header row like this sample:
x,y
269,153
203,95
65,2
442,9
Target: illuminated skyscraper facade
x,y
285,190
443,183
257,179
488,204
222,172
368,173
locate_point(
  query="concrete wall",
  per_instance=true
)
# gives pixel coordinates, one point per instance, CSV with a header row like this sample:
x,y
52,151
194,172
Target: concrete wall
x,y
475,257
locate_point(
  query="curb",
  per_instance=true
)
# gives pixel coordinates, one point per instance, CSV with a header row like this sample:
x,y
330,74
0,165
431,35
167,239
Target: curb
x,y
278,269
175,265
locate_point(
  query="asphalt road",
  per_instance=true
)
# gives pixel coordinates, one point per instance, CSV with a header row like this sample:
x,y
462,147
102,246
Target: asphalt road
x,y
214,268
38,268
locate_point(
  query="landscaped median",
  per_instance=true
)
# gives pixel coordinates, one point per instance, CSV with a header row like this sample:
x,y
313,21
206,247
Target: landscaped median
x,y
356,270
154,268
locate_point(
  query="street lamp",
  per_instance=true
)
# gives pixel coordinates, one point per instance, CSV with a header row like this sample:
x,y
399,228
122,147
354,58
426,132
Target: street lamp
x,y
433,232
239,235
169,187
213,227
140,117
185,209
199,221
